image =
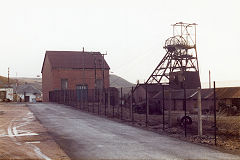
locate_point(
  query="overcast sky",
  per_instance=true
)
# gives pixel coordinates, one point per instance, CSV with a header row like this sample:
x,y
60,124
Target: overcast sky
x,y
132,32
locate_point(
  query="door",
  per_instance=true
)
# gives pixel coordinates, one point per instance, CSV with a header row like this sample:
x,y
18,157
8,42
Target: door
x,y
2,95
26,98
82,93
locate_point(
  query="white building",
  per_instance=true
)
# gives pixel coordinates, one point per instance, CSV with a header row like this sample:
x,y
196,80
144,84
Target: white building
x,y
28,93
6,94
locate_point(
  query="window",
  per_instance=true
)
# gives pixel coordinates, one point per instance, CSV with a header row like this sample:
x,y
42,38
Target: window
x,y
99,83
81,87
64,84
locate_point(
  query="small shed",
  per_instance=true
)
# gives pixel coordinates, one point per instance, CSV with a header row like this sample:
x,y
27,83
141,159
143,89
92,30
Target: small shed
x,y
28,93
6,94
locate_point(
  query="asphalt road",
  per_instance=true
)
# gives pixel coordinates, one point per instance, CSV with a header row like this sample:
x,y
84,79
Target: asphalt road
x,y
85,136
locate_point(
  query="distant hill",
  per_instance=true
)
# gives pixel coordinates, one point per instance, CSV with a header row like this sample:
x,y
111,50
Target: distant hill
x,y
36,82
4,81
118,82
115,81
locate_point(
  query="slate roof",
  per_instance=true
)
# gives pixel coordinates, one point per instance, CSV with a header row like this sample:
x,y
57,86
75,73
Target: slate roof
x,y
27,88
76,60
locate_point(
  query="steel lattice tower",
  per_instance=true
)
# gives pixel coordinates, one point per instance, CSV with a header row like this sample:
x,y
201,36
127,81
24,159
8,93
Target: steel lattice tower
x,y
180,62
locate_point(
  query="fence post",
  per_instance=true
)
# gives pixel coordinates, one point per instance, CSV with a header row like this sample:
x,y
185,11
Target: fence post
x,y
99,103
199,112
113,111
185,112
132,116
93,104
64,97
109,99
75,98
147,106
59,96
163,101
121,103
105,107
102,102
215,114
98,98
169,108
81,102
88,106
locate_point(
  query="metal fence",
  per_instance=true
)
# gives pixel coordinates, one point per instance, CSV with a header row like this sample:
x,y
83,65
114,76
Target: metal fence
x,y
172,111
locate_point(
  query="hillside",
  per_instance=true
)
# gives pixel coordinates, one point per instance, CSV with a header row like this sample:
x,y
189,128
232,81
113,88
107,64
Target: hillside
x,y
4,81
36,82
118,82
115,81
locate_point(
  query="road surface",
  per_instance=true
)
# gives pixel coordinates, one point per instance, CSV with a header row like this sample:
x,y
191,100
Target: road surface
x,y
23,137
85,136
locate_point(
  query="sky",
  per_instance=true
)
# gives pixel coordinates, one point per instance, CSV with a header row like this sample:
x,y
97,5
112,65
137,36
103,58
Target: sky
x,y
131,32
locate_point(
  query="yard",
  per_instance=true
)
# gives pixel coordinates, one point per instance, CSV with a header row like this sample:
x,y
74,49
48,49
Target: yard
x,y
23,137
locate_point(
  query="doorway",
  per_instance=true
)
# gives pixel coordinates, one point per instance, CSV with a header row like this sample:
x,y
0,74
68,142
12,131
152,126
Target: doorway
x,y
82,92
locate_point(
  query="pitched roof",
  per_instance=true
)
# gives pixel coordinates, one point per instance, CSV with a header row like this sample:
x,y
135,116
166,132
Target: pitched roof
x,y
176,94
152,89
76,60
229,92
27,88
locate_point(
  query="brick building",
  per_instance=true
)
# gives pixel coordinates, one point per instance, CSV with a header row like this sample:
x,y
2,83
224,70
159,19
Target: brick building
x,y
73,70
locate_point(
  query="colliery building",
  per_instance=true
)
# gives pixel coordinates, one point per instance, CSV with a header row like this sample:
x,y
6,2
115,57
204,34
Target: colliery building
x,y
73,70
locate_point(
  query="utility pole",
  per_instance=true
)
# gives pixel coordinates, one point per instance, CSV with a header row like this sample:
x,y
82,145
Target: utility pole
x,y
209,79
95,73
103,68
95,86
83,62
8,76
215,114
82,92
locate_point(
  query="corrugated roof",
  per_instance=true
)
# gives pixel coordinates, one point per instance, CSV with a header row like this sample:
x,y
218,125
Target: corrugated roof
x,y
221,93
229,92
76,59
